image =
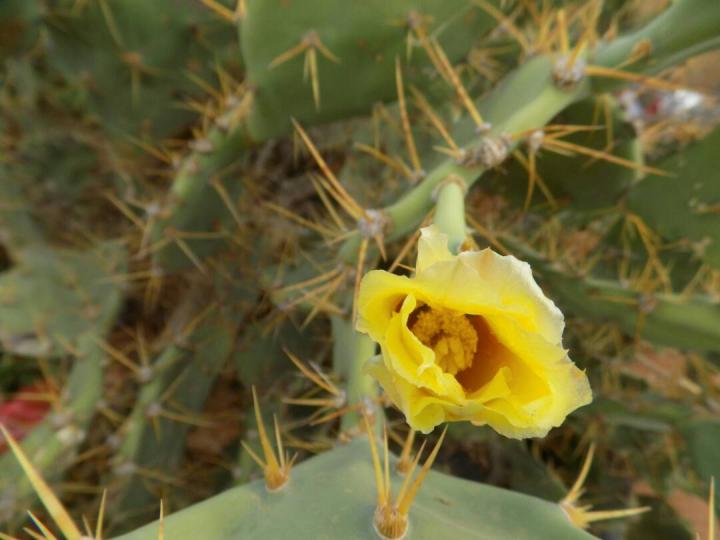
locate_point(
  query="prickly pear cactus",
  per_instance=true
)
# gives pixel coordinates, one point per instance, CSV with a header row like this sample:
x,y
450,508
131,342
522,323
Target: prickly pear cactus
x,y
408,269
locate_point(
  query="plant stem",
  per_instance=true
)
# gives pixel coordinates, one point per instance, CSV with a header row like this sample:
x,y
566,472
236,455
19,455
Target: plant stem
x,y
684,29
450,214
528,99
351,350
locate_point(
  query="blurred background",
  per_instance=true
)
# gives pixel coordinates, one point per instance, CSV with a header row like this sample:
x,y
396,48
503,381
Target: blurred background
x,y
166,237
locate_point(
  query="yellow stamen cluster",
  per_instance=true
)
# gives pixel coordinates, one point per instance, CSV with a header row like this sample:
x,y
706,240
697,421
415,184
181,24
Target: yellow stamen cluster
x,y
450,334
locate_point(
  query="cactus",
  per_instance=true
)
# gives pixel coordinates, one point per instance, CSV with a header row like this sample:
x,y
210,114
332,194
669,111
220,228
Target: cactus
x,y
20,24
153,53
485,510
198,203
683,204
597,184
272,85
78,306
194,193
702,435
52,298
353,51
653,315
174,389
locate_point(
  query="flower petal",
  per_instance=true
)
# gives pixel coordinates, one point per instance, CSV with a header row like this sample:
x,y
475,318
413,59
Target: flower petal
x,y
521,382
405,354
381,293
515,285
432,248
545,386
498,387
482,283
422,410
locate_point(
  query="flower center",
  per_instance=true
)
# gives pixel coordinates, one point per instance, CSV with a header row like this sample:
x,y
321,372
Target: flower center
x,y
450,334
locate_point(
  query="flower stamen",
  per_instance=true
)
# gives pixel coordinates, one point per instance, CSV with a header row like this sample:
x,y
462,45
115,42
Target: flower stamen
x,y
450,334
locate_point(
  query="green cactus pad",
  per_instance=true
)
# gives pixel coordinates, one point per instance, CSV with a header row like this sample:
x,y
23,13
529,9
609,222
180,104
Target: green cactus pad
x,y
581,182
686,204
364,37
691,323
52,297
333,496
129,64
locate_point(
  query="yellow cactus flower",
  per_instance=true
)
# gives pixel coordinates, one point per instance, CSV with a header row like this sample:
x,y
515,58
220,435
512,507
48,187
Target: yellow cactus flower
x,y
470,337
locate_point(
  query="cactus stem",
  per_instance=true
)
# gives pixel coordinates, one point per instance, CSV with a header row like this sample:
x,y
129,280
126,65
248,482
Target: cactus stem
x,y
351,351
362,253
450,212
490,152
